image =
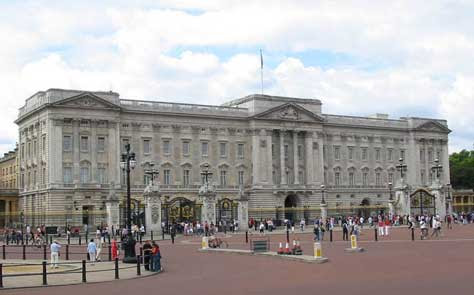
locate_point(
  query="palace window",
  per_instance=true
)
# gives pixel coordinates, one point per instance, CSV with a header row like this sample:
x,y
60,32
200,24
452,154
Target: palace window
x,y
377,154
67,143
43,145
166,147
185,148
101,144
423,177
365,178
351,179
223,149
378,179
300,152
223,178
102,175
350,151
85,174
390,155
241,177
430,156
337,153
146,146
167,176
390,177
337,178
186,177
240,150
422,156
84,143
300,177
364,154
125,141
402,154
204,148
67,174
286,151
43,180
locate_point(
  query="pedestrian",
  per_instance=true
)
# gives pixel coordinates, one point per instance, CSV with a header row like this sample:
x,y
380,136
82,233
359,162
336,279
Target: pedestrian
x,y
380,225
156,258
147,248
114,249
262,228
55,246
99,249
449,221
345,231
316,232
387,226
92,250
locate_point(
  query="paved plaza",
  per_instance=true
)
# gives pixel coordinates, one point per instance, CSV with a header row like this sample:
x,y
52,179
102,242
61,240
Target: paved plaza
x,y
392,265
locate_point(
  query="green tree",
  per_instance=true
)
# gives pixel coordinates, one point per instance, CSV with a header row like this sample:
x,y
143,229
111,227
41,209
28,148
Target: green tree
x,y
461,166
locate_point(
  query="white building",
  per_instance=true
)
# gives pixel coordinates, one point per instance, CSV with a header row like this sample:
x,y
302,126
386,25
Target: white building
x,y
279,150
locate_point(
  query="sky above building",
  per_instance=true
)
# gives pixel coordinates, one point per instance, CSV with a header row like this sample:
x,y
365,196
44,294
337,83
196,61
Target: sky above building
x,y
402,58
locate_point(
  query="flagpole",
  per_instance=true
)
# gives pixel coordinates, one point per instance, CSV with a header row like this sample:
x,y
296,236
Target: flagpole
x,y
261,69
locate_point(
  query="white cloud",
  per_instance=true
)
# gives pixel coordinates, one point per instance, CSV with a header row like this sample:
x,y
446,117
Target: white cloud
x,y
170,51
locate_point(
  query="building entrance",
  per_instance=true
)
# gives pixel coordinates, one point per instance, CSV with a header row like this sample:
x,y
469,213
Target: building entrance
x,y
291,204
422,203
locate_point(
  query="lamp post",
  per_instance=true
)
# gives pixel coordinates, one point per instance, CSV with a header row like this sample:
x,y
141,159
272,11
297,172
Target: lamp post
x,y
402,167
127,163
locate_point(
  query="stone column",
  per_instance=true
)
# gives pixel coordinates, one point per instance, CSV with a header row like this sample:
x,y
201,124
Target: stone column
x,y
391,207
152,209
321,156
324,210
402,200
269,157
112,208
93,151
440,201
7,213
308,160
243,214
76,151
208,211
255,156
296,167
282,158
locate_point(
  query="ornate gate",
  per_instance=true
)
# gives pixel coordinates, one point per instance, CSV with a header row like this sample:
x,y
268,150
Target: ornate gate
x,y
181,210
227,210
422,203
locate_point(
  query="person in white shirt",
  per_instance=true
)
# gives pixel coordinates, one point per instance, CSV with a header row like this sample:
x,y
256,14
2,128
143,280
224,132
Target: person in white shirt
x,y
55,246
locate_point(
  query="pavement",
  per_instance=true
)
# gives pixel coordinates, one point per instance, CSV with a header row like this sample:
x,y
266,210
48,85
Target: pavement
x,y
392,265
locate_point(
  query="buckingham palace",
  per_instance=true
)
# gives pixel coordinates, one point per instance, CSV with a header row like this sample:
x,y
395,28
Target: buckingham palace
x,y
270,157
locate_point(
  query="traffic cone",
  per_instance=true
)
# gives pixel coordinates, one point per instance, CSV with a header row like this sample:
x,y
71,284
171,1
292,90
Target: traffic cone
x,y
280,249
287,248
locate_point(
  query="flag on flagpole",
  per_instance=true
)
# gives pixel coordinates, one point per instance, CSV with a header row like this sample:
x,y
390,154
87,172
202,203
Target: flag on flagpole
x,y
261,59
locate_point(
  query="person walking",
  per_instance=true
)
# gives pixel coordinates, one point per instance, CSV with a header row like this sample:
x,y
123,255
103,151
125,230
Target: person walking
x,y
99,249
147,248
92,250
156,258
380,225
345,231
387,225
55,246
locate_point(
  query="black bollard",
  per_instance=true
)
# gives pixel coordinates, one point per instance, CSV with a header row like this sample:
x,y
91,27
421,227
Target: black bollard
x,y
151,235
108,238
376,234
50,240
141,253
412,234
141,238
288,236
247,237
45,280
67,252
139,270
110,253
44,253
1,275
24,252
4,256
80,239
68,239
162,234
84,279
116,269
22,239
330,235
8,240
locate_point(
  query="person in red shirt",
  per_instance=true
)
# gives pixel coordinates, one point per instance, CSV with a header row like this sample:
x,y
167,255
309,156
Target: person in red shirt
x,y
114,249
380,225
387,225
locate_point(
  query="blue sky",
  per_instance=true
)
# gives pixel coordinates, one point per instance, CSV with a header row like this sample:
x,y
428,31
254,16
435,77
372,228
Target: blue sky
x,y
359,58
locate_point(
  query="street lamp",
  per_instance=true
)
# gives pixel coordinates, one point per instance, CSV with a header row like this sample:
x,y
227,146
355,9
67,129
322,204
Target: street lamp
x,y
323,201
206,174
127,163
390,189
152,172
401,167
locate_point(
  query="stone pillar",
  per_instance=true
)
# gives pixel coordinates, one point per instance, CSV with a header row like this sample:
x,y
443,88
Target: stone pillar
x,y
324,210
242,211
402,200
152,210
269,157
7,213
282,157
308,159
255,156
295,158
112,207
321,156
208,211
440,201
391,207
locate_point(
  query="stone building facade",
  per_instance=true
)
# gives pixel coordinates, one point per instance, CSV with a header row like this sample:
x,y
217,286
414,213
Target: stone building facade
x,y
269,157
9,213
